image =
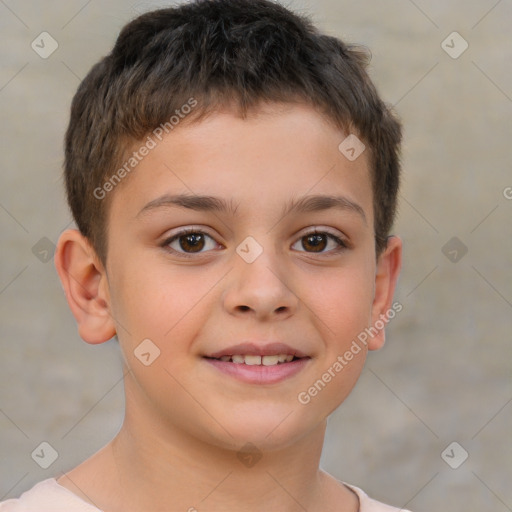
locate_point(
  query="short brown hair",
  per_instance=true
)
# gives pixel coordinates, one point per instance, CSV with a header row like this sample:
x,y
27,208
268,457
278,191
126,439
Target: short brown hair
x,y
219,53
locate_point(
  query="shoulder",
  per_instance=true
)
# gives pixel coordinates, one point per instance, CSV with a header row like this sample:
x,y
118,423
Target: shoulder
x,y
47,496
367,504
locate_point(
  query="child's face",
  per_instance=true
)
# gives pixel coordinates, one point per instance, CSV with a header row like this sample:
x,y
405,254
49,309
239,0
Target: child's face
x,y
205,295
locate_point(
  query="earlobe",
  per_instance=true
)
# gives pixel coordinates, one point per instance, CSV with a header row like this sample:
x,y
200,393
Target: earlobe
x,y
388,269
84,280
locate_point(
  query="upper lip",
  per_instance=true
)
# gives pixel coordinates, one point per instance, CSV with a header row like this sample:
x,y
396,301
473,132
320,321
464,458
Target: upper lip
x,y
253,349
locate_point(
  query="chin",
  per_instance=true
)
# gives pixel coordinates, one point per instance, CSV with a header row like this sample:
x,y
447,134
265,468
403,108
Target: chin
x,y
270,430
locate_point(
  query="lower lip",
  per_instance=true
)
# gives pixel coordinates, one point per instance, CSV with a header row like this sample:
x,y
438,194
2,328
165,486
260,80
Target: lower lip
x,y
260,374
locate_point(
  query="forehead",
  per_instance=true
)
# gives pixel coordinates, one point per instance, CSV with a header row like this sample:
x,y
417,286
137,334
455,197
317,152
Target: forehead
x,y
276,153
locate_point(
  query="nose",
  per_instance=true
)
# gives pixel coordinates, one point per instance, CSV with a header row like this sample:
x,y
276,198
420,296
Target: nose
x,y
261,289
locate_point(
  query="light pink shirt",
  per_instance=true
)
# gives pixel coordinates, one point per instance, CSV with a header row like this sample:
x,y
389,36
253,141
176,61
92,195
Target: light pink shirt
x,y
49,496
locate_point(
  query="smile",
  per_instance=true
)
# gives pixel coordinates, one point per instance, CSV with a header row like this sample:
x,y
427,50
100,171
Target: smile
x,y
253,360
253,369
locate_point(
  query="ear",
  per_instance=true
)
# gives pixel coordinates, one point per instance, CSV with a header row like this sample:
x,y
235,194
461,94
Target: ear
x,y
84,280
389,264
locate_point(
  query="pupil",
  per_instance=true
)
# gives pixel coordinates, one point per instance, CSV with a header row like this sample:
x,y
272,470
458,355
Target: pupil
x,y
193,242
317,242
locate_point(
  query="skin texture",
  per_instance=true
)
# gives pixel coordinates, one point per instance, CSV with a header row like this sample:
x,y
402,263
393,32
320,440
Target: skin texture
x,y
186,421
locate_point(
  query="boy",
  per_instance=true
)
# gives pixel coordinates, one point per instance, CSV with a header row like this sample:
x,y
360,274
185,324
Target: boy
x,y
233,175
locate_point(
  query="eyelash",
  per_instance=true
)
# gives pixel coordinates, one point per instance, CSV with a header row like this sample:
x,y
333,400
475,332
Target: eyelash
x,y
342,244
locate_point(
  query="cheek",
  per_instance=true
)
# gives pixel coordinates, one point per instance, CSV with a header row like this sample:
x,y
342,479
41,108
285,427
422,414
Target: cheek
x,y
342,302
157,303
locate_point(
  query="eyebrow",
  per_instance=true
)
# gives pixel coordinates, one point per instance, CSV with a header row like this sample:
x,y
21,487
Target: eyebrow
x,y
305,204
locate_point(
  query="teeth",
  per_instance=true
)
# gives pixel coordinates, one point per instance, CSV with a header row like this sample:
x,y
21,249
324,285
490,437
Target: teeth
x,y
269,360
252,360
258,360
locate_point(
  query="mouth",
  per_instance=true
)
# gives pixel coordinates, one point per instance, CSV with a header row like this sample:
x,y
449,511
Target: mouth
x,y
259,364
257,360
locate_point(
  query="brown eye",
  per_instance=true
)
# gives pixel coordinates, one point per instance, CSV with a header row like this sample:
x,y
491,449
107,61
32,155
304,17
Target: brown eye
x,y
193,242
317,242
321,243
190,242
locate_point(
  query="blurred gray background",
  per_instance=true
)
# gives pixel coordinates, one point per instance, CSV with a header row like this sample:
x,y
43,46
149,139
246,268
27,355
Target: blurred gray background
x,y
444,375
